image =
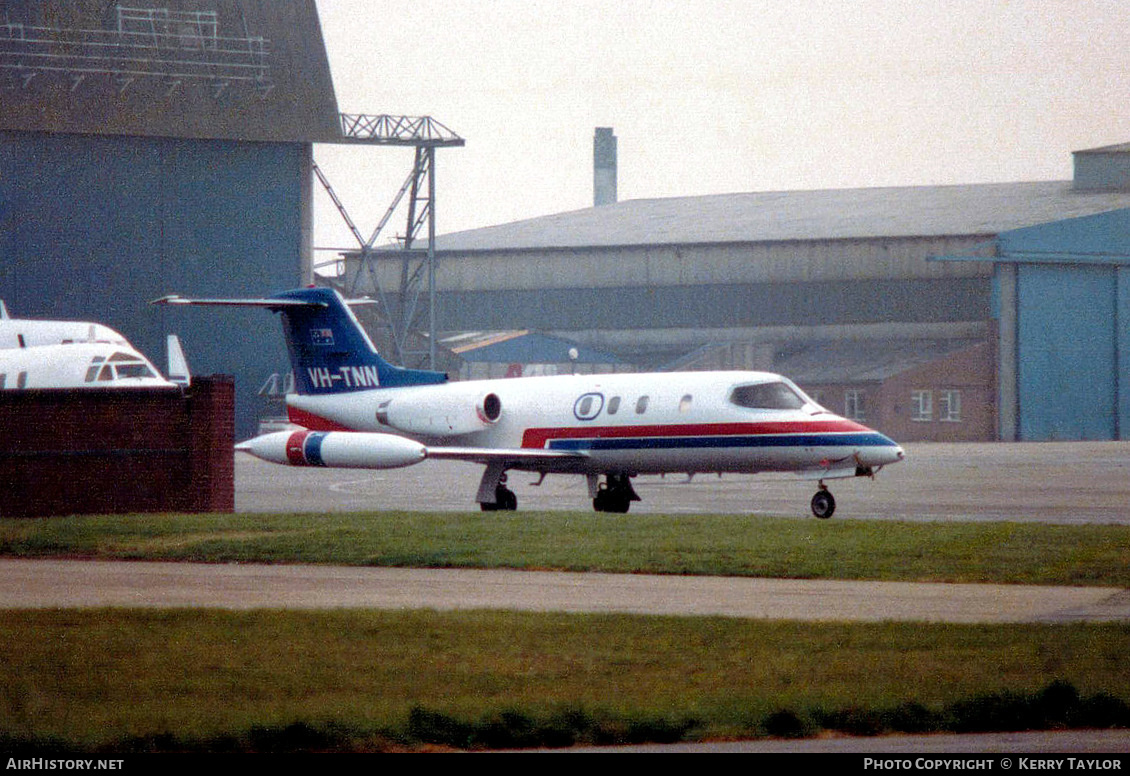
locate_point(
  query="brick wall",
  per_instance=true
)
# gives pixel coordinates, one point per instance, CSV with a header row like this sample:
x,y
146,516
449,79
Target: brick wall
x,y
114,451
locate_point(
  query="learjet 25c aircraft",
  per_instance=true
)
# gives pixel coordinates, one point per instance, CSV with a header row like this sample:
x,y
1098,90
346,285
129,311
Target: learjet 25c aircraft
x,y
362,412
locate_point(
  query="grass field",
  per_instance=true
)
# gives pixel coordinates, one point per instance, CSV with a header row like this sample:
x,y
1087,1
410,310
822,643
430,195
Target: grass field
x,y
719,545
122,680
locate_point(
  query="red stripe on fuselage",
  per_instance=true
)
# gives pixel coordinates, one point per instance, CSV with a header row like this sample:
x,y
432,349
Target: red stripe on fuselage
x,y
539,437
313,422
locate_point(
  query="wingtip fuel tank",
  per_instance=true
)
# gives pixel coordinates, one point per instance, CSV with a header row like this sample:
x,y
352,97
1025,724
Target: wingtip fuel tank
x,y
349,450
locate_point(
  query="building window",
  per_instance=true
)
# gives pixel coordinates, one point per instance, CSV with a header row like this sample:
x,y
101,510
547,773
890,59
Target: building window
x,y
853,405
949,406
922,406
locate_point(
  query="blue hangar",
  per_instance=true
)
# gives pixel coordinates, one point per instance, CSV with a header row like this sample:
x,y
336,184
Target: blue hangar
x,y
1061,297
155,150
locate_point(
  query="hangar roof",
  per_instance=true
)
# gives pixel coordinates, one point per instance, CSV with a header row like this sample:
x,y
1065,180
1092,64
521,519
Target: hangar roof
x,y
921,211
525,347
206,69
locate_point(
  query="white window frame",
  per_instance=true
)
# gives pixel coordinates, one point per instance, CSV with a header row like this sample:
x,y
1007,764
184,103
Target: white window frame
x,y
949,406
853,404
921,405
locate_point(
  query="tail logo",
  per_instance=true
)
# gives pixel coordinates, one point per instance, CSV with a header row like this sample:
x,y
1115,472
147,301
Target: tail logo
x,y
322,337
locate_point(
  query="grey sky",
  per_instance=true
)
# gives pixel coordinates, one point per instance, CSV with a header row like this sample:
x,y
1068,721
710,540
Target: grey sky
x,y
719,96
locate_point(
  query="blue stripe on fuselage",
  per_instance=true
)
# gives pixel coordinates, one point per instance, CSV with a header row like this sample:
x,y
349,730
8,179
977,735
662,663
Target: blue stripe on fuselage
x,y
873,439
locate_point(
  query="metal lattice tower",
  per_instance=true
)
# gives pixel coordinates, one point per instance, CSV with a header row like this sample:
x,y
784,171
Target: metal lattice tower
x,y
402,278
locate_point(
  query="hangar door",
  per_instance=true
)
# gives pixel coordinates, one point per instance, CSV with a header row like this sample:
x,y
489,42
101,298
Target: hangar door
x,y
1067,354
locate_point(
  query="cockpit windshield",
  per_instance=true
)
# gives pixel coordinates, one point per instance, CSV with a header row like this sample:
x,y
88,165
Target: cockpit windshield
x,y
118,367
767,396
133,370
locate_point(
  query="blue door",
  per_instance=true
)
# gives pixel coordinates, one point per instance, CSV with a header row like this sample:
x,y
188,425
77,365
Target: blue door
x,y
1067,354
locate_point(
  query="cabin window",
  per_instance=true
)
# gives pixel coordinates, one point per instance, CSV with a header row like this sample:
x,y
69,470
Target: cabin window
x,y
685,404
588,406
21,381
767,396
641,405
106,374
3,379
613,405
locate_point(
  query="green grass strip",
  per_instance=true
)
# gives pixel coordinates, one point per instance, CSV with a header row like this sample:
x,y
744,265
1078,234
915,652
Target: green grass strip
x,y
128,680
700,544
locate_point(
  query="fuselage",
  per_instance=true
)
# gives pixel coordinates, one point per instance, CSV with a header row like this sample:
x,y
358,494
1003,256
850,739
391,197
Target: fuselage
x,y
24,333
631,423
77,365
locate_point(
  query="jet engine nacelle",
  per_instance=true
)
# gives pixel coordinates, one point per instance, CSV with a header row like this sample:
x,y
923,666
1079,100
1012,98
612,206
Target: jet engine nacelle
x,y
343,449
441,413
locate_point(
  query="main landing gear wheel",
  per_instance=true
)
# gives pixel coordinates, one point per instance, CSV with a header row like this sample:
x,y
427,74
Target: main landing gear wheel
x,y
504,499
823,505
616,495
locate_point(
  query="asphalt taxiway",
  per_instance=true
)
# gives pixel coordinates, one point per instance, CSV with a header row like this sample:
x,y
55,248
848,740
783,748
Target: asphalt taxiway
x,y
1054,482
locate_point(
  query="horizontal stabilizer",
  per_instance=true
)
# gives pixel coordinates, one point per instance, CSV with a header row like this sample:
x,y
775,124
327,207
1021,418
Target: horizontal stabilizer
x,y
274,304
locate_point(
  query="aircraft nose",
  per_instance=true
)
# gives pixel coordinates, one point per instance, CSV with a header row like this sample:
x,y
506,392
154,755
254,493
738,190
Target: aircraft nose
x,y
882,455
892,454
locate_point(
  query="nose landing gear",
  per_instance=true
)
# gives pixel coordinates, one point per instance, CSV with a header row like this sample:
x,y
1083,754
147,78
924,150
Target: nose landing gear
x,y
823,505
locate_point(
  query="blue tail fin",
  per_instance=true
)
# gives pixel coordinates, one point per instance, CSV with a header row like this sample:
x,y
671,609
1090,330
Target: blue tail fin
x,y
331,353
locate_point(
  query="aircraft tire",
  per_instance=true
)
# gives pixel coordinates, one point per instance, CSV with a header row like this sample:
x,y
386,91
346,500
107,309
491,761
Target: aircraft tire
x,y
823,505
612,501
504,501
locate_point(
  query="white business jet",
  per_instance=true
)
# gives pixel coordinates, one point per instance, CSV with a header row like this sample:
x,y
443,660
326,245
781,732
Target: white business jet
x,y
359,411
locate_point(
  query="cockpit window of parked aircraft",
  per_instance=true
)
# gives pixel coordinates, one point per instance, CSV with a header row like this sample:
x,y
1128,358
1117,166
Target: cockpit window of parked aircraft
x,y
767,396
92,372
137,369
124,365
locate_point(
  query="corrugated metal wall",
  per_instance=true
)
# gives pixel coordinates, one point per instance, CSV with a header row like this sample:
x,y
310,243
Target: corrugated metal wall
x,y
93,228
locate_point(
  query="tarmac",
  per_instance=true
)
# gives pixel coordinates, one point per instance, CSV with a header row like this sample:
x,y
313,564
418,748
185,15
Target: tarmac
x,y
1050,482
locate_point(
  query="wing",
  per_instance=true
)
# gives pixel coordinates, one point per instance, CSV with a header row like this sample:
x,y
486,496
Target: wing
x,y
529,459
